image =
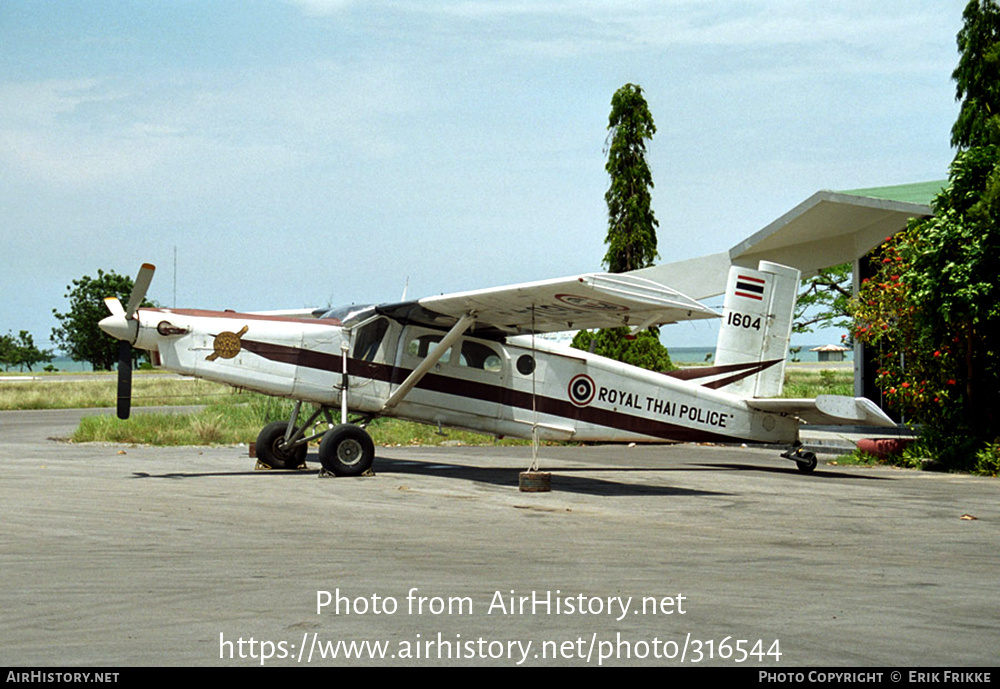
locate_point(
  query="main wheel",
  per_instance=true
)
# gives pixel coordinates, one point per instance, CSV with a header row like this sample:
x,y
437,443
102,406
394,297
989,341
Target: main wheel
x,y
807,462
270,451
346,450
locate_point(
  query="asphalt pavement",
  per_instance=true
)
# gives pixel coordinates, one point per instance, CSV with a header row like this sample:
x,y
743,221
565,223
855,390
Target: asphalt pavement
x,y
664,555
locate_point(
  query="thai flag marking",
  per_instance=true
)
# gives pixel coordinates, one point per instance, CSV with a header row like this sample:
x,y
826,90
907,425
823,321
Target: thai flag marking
x,y
750,287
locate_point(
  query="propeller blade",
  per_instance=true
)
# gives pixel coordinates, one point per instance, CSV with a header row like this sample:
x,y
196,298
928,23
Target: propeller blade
x,y
124,379
142,281
114,306
123,325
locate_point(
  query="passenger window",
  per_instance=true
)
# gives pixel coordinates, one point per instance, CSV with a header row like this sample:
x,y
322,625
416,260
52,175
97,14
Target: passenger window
x,y
420,346
368,339
476,355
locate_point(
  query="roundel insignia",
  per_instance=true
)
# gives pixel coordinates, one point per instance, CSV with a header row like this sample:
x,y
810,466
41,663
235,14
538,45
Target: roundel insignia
x,y
227,345
581,390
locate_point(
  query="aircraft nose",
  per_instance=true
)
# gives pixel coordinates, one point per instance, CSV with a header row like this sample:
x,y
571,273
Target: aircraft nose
x,y
116,326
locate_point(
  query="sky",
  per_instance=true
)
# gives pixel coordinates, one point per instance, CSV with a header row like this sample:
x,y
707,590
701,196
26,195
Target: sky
x,y
306,153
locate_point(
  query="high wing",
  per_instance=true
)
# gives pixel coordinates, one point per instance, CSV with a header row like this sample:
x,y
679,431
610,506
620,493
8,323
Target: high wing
x,y
594,300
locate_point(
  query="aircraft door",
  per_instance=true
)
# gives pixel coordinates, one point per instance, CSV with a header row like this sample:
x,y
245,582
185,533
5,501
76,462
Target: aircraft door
x,y
528,379
372,354
483,372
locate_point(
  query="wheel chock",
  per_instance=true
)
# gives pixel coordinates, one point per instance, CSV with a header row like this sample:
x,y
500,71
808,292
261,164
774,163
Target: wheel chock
x,y
534,482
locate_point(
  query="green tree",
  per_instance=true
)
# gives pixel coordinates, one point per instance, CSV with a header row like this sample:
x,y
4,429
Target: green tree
x,y
977,76
954,282
932,312
823,300
632,226
933,309
26,353
21,351
6,351
78,334
643,350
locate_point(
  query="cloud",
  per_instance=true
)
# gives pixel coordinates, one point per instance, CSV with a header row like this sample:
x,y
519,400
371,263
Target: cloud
x,y
320,8
51,135
44,101
569,30
198,130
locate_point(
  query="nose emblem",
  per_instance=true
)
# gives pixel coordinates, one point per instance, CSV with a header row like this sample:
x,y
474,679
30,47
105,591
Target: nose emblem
x,y
226,345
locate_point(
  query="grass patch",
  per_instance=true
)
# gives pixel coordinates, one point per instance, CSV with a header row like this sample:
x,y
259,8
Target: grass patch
x,y
801,382
907,459
203,428
147,391
238,419
396,432
857,458
230,424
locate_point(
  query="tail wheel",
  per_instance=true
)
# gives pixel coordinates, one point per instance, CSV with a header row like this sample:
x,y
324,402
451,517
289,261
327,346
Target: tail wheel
x,y
346,450
270,449
807,462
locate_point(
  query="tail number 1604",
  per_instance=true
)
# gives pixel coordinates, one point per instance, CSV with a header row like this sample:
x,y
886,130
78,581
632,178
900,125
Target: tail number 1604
x,y
741,320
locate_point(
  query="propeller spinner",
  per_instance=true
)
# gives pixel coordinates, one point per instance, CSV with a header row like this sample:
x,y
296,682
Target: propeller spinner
x,y
123,325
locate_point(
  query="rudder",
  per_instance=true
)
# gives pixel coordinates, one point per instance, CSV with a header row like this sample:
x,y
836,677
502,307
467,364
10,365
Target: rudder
x,y
756,327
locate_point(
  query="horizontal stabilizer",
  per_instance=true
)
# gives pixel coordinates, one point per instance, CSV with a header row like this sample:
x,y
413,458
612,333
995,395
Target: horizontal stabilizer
x,y
828,410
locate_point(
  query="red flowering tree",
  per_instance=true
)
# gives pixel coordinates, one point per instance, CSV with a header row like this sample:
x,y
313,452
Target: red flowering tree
x,y
932,312
917,376
932,309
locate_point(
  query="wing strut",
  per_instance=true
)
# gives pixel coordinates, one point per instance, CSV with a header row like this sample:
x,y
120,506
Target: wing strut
x,y
457,330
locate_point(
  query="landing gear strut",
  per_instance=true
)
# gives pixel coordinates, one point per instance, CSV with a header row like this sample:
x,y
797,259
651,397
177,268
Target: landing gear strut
x,y
345,449
804,459
283,444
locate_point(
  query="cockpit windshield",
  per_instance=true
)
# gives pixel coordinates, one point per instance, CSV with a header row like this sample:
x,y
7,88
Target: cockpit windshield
x,y
350,314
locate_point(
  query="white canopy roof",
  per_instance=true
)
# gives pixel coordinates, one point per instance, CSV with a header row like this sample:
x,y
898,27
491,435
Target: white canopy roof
x,y
827,229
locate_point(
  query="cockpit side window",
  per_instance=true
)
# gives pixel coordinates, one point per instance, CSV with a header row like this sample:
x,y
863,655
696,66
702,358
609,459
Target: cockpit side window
x,y
422,345
368,339
477,355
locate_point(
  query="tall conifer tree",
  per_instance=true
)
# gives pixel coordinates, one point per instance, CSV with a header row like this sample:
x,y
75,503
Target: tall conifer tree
x,y
977,76
632,226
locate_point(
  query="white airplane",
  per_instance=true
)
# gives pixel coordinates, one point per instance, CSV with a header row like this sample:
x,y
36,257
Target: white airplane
x,y
471,360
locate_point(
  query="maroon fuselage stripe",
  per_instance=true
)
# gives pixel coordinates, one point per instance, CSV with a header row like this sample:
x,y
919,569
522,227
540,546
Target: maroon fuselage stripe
x,y
485,392
741,372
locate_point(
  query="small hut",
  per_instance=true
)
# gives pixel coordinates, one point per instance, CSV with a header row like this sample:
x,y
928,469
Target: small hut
x,y
830,352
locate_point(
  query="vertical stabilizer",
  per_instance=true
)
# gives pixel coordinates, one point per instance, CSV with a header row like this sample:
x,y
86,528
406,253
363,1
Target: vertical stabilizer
x,y
756,326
